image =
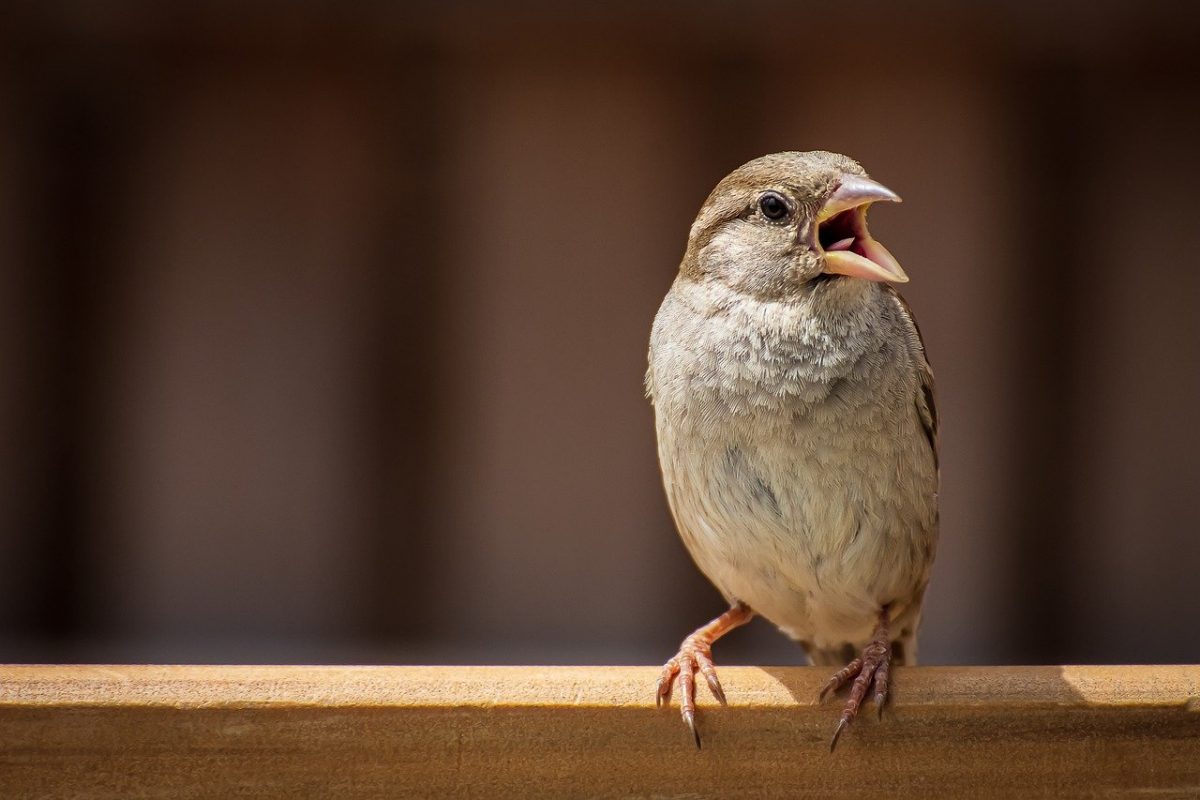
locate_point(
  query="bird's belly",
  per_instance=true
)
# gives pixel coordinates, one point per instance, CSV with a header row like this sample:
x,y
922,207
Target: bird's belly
x,y
814,531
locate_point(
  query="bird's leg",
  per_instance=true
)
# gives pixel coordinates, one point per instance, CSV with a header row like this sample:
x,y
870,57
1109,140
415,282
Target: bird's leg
x,y
695,655
872,666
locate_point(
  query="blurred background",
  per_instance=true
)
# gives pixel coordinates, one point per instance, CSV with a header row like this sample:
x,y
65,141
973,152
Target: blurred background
x,y
323,325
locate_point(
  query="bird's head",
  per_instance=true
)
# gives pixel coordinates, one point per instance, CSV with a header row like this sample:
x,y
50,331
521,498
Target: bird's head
x,y
785,220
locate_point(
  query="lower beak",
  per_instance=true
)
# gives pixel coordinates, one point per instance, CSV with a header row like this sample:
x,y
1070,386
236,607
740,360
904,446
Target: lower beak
x,y
843,238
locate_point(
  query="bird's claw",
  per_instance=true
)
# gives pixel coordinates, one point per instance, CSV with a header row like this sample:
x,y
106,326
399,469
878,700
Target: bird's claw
x,y
872,667
839,678
689,717
695,655
841,726
714,686
666,683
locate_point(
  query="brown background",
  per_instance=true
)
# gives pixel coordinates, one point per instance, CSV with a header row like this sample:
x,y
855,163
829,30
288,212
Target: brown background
x,y
323,325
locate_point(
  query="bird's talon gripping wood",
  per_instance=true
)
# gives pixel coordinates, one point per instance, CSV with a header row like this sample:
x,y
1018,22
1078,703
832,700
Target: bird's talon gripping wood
x,y
714,685
797,431
666,682
872,667
839,678
881,686
695,655
689,719
837,732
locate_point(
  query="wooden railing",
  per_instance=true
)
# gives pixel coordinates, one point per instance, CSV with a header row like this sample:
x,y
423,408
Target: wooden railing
x,y
358,732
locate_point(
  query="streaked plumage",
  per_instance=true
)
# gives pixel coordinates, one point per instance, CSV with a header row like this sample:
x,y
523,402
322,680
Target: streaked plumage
x,y
794,409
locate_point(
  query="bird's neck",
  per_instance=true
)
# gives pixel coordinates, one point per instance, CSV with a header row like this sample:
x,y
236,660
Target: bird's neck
x,y
777,352
837,311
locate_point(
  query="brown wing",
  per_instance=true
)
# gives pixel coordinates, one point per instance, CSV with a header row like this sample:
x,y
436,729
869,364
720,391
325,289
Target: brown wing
x,y
926,404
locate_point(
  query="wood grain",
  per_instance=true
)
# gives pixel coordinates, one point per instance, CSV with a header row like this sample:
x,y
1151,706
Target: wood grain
x,y
373,732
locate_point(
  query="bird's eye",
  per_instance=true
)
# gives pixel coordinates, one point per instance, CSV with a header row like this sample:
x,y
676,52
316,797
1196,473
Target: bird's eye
x,y
773,206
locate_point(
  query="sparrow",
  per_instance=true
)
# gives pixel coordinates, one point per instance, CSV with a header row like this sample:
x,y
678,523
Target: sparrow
x,y
797,432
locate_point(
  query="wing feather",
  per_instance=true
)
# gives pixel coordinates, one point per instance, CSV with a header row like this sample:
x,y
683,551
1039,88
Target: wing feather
x,y
926,400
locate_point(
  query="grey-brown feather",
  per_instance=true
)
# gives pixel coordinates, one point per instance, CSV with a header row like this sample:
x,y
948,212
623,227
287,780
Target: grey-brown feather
x,y
797,437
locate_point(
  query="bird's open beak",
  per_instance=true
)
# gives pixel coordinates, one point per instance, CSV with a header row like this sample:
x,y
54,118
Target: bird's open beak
x,y
842,234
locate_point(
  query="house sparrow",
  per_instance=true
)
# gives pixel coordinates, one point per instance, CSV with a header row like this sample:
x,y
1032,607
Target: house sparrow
x,y
796,425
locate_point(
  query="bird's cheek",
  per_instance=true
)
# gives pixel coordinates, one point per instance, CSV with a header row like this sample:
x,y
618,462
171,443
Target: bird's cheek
x,y
806,235
806,265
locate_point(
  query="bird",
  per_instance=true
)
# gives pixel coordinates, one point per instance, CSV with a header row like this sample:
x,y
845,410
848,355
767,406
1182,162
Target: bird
x,y
796,426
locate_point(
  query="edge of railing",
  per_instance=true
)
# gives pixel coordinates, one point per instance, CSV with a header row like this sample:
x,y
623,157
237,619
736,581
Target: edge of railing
x,y
271,731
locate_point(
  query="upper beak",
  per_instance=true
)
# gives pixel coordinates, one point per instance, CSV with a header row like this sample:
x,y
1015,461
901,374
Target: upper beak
x,y
842,234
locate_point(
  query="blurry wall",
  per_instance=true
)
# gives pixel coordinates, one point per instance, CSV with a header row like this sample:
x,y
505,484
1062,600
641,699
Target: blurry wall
x,y
323,332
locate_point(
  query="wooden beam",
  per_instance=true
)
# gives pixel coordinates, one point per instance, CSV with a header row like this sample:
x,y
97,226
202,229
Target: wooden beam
x,y
367,732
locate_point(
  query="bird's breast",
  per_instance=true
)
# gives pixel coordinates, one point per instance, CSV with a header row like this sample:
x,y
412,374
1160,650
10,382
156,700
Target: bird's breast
x,y
795,463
